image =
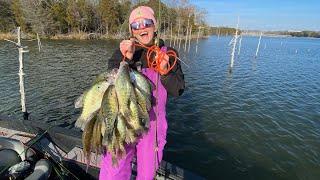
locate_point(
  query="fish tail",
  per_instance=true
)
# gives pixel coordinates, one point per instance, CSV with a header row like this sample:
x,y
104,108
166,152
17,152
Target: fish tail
x,y
114,160
125,112
80,123
88,159
122,150
146,124
79,101
130,137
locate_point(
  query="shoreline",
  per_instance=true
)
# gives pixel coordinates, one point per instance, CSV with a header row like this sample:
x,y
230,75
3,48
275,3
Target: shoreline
x,y
97,36
89,36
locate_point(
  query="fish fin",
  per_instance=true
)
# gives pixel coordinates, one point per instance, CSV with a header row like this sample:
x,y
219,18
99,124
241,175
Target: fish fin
x,y
95,138
130,137
80,123
146,124
78,103
122,150
114,160
148,104
88,159
86,136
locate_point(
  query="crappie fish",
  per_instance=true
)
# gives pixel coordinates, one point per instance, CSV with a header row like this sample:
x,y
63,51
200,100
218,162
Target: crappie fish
x,y
143,88
108,76
91,103
144,117
96,136
86,139
121,128
124,88
103,128
114,146
143,91
109,111
134,119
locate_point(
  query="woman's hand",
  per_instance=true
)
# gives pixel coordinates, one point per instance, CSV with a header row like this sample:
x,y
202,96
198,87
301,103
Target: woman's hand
x,y
127,48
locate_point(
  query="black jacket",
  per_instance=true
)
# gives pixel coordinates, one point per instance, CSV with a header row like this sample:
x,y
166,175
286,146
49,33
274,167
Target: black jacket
x,y
173,81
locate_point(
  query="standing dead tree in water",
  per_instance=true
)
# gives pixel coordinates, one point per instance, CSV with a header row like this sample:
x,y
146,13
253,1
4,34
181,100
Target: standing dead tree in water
x,y
240,41
198,39
258,47
187,33
179,36
234,43
190,36
39,42
22,49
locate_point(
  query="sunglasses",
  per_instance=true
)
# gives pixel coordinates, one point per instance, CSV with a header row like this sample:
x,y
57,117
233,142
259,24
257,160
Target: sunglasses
x,y
145,23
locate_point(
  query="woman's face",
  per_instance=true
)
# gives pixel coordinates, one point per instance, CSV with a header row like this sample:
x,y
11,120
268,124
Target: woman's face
x,y
144,34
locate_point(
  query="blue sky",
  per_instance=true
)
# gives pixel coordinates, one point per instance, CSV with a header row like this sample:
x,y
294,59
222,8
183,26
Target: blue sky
x,y
263,15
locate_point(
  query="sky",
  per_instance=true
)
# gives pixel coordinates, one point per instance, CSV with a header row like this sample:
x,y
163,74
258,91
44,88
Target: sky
x,y
263,14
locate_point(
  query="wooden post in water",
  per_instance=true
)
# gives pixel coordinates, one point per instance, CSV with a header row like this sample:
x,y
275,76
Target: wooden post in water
x,y
176,37
234,47
258,47
190,36
21,74
239,48
39,42
186,41
179,39
198,39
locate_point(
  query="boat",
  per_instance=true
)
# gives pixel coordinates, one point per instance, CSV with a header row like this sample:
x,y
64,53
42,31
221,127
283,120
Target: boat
x,y
34,150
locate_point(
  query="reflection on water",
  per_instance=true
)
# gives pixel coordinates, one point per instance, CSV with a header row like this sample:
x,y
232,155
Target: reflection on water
x,y
260,122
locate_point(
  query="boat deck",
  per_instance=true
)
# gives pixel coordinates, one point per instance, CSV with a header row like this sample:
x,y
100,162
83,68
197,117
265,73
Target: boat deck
x,y
67,143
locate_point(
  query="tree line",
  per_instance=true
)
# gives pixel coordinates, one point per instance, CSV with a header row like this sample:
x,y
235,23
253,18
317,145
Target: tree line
x,y
52,17
303,34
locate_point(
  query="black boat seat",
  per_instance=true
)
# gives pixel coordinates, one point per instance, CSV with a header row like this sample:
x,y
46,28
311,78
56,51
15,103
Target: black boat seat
x,y
8,158
17,146
42,170
13,152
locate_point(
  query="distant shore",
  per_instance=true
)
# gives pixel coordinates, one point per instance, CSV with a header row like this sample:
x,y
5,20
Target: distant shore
x,y
96,36
87,36
267,35
69,36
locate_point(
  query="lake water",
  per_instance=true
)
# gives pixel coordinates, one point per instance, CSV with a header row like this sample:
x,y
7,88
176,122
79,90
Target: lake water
x,y
262,121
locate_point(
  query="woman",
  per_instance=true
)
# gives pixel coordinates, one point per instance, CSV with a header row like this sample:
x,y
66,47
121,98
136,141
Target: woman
x,y
149,148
